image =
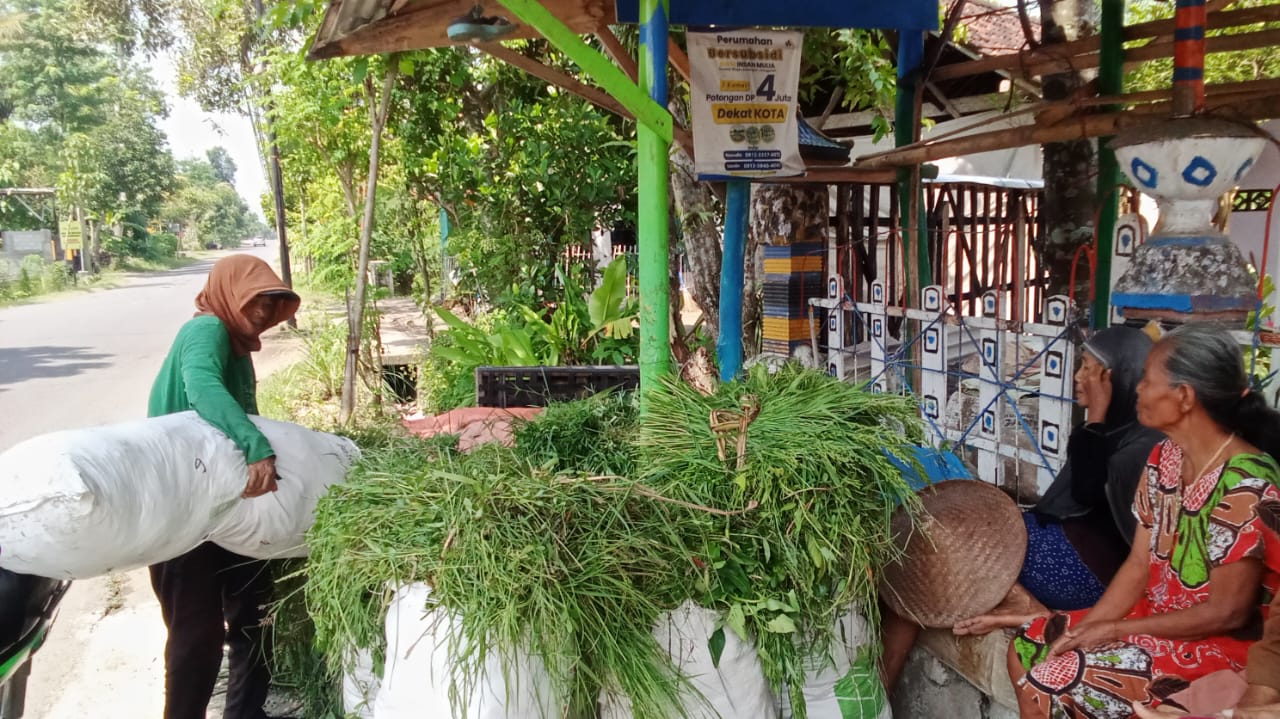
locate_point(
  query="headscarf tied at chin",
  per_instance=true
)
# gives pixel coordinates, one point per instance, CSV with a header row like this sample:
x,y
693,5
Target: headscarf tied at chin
x,y
233,283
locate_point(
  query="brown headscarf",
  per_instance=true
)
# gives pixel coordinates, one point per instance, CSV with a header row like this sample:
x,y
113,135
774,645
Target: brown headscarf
x,y
233,283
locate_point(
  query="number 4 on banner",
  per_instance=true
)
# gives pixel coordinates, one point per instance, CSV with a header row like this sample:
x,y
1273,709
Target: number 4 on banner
x,y
766,88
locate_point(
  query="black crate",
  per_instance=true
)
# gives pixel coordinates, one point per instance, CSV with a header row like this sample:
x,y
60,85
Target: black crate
x,y
539,386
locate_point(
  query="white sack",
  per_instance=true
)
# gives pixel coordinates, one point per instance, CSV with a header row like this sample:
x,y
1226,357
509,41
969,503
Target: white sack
x,y
829,679
736,688
81,503
360,686
416,678
275,525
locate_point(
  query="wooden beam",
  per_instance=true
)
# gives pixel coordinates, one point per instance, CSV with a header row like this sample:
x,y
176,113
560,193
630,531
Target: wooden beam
x,y
1159,50
423,25
965,105
1060,55
941,97
613,46
835,175
678,59
593,95
1078,128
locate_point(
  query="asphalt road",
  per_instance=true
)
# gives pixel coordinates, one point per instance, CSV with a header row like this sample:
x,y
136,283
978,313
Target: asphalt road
x,y
77,361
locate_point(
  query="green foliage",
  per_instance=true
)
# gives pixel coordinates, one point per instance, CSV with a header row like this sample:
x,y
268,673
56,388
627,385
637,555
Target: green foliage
x,y
31,277
315,379
595,328
860,62
80,115
206,208
525,170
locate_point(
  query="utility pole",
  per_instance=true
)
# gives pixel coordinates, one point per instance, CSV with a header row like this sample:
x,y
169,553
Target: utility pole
x,y
277,185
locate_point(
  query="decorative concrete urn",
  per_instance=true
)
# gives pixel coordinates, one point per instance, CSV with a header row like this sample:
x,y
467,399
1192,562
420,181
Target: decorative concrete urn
x,y
1187,269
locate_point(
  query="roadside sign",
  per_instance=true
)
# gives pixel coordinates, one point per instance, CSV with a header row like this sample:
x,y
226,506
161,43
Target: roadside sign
x,y
744,89
72,234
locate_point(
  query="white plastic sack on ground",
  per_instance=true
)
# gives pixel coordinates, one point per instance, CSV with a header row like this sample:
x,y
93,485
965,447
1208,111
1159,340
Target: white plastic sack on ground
x,y
735,688
416,678
81,503
360,686
846,683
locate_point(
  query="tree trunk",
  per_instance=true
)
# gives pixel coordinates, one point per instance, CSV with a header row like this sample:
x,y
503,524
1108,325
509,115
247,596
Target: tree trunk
x,y
1070,168
355,310
701,218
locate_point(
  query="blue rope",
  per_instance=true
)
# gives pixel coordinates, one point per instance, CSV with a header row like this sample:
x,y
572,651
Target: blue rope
x,y
896,361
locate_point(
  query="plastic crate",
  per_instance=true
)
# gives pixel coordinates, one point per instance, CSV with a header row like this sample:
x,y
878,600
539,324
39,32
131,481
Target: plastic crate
x,y
538,386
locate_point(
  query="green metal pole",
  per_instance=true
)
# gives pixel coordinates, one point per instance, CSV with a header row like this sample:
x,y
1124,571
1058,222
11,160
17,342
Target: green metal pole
x,y
1110,82
910,206
652,151
649,110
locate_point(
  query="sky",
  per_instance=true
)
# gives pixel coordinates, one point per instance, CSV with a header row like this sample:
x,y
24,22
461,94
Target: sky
x,y
193,131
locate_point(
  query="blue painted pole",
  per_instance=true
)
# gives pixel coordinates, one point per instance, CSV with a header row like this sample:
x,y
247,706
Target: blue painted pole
x,y
732,263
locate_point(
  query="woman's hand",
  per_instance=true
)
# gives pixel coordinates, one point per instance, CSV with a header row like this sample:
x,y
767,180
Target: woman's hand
x,y
262,478
1096,388
1087,635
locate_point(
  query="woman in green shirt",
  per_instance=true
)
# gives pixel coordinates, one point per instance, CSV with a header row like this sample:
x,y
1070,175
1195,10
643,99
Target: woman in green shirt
x,y
209,595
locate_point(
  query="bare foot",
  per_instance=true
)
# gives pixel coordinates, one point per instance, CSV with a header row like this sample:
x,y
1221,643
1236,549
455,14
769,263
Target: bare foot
x,y
987,623
1017,608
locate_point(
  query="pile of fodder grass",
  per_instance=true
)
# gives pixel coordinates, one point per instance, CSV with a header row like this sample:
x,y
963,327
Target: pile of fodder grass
x,y
544,548
769,501
805,515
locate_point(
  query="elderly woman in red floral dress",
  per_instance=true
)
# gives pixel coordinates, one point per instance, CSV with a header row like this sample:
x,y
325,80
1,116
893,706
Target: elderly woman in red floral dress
x,y
1190,598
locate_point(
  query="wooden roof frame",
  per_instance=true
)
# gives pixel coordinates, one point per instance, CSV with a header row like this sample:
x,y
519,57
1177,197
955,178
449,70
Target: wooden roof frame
x,y
1074,119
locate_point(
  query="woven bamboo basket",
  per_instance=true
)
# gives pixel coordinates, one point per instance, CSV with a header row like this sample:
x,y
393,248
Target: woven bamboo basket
x,y
962,558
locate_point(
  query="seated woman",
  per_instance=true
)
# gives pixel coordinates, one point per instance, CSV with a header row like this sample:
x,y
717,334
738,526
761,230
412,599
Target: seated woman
x,y
1186,602
1254,693
1079,533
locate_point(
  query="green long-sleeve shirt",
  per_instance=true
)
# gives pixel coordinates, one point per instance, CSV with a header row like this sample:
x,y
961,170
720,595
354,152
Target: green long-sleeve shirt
x,y
201,373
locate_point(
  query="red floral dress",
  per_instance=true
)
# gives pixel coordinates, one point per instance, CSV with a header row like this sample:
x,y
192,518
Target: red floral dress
x,y
1216,523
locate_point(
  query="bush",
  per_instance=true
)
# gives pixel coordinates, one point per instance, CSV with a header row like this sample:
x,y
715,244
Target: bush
x,y
57,276
162,246
31,276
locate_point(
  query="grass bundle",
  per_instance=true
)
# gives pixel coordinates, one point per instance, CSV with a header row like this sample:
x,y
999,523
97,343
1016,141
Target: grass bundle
x,y
797,463
538,549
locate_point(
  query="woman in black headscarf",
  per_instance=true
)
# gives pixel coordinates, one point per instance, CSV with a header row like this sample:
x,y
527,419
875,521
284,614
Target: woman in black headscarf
x,y
1079,533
